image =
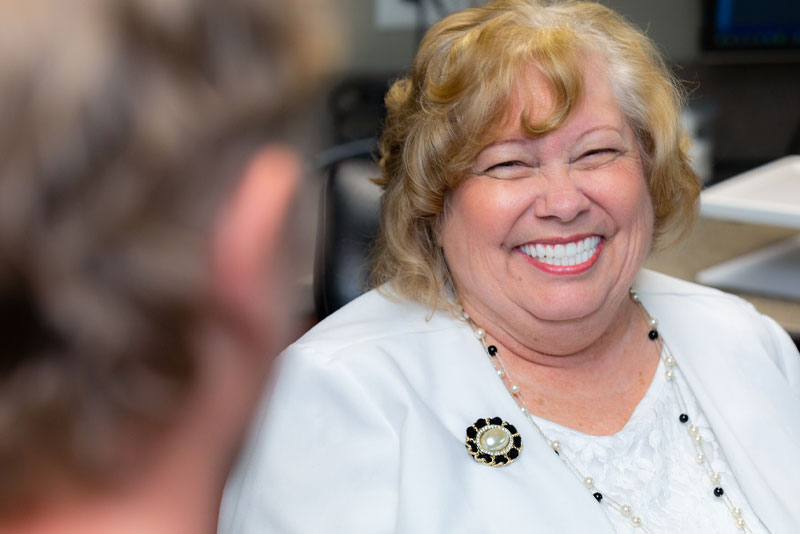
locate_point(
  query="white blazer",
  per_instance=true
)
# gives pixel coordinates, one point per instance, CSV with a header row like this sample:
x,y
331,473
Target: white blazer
x,y
363,429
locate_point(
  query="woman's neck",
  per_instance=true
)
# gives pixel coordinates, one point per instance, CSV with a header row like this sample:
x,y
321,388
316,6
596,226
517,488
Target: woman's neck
x,y
586,374
575,342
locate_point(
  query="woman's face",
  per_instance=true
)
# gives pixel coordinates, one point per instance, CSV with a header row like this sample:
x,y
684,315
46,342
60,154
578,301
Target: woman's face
x,y
553,228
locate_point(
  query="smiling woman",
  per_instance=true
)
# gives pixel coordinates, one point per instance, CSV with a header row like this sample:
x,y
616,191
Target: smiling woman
x,y
472,82
582,181
515,368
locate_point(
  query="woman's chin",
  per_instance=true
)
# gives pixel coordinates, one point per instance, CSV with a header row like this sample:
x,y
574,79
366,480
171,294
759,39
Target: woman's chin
x,y
565,308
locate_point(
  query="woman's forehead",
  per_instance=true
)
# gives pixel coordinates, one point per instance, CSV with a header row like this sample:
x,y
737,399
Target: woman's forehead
x,y
533,102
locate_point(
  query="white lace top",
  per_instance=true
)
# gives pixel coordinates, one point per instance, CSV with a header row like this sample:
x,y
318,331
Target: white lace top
x,y
651,465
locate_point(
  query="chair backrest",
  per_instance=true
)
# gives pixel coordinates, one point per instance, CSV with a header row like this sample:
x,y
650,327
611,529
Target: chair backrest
x,y
348,224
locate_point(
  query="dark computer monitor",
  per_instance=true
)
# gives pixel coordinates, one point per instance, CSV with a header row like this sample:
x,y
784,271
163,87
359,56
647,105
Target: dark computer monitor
x,y
749,26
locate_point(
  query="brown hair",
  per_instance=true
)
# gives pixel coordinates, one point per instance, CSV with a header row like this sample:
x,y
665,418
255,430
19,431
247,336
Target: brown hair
x,y
442,115
123,124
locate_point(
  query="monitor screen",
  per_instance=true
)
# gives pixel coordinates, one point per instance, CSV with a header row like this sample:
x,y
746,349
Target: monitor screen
x,y
749,25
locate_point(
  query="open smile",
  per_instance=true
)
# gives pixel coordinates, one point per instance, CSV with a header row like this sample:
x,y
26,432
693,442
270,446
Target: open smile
x,y
568,257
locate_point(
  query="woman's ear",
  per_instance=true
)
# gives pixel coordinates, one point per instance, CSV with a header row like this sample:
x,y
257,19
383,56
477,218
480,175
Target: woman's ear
x,y
248,256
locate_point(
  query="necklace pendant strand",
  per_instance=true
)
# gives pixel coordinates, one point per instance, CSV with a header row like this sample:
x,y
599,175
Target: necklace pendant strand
x,y
670,374
701,456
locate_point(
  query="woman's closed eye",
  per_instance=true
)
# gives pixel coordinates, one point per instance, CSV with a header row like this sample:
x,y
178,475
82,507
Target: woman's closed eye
x,y
513,163
597,156
509,170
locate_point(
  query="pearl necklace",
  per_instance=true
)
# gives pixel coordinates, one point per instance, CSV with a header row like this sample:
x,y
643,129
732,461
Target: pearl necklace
x,y
670,374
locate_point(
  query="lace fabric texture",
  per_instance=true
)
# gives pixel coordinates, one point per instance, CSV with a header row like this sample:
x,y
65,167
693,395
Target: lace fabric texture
x,y
650,464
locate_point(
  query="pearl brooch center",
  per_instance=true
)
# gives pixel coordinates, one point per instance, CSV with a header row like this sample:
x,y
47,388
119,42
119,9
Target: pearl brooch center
x,y
494,439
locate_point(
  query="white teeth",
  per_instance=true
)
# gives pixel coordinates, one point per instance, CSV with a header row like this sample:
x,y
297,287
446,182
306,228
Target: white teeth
x,y
570,254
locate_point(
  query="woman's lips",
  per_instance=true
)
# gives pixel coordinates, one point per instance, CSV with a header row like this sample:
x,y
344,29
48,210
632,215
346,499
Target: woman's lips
x,y
567,257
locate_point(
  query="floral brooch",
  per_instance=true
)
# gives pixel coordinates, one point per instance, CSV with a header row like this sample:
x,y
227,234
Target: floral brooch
x,y
493,441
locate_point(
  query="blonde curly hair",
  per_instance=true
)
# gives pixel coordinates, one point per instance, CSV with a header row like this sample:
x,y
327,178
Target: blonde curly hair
x,y
442,115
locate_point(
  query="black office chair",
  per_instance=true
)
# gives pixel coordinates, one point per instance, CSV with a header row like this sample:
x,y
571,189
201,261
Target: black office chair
x,y
348,224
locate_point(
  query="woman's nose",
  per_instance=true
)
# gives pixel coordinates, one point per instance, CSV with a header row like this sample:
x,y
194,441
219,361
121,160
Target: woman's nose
x,y
559,198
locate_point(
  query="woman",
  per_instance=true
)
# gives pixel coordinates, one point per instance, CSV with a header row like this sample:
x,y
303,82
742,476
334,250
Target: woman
x,y
516,370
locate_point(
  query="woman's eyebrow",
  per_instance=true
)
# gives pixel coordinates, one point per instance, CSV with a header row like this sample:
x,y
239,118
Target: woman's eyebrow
x,y
509,141
521,140
601,128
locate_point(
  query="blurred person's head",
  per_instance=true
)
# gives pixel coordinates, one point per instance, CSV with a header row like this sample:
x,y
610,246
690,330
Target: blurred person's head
x,y
146,177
